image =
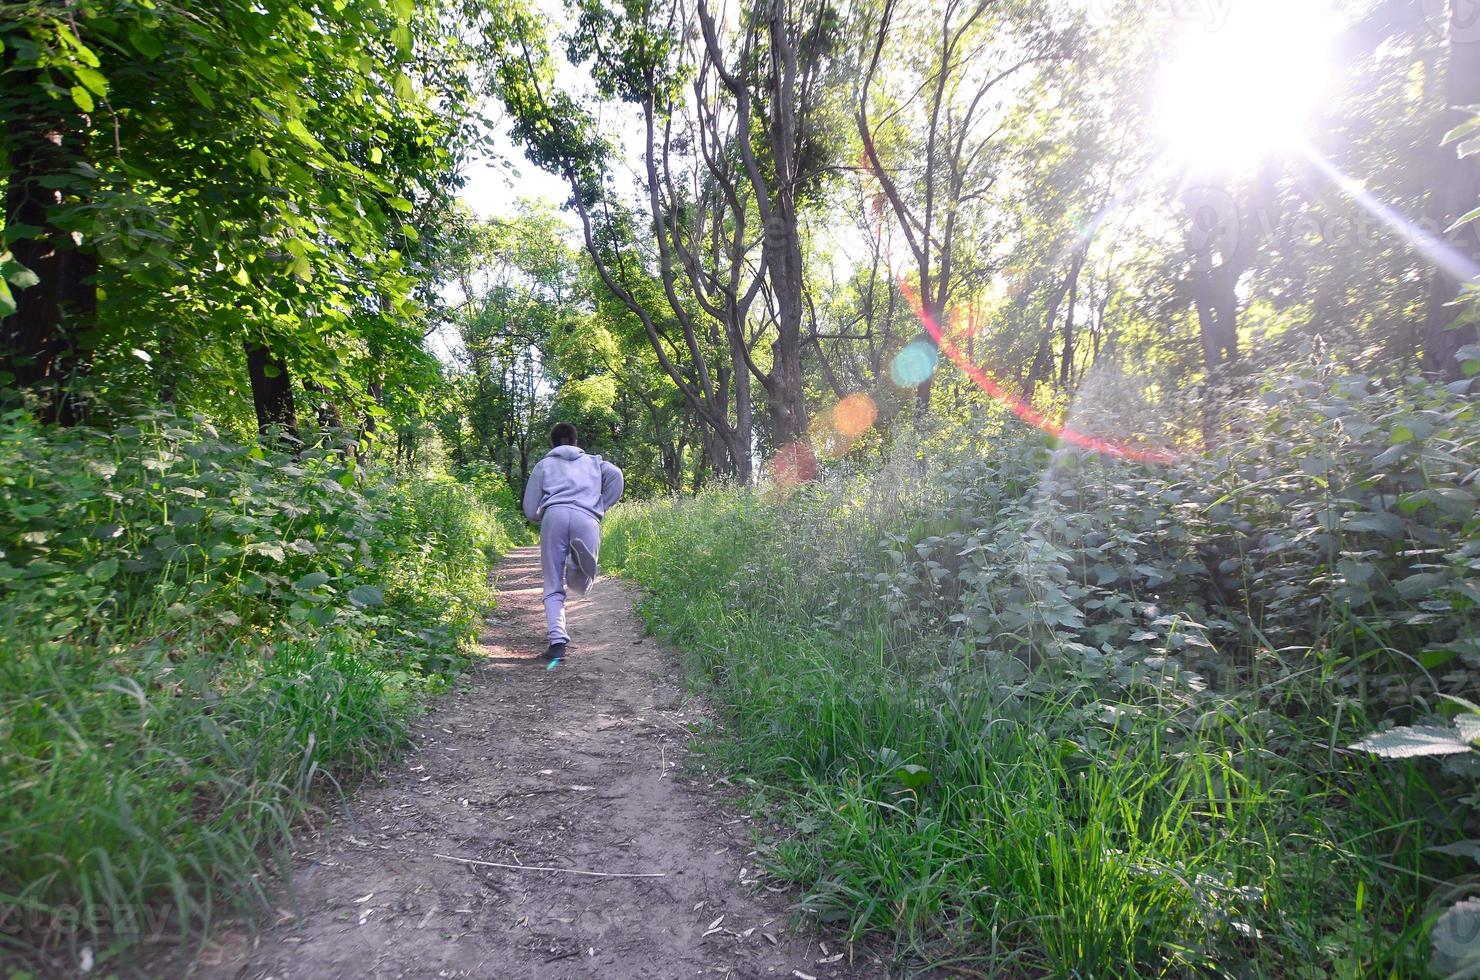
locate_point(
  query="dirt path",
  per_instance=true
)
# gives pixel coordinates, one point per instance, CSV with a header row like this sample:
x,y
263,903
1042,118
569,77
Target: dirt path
x,y
574,768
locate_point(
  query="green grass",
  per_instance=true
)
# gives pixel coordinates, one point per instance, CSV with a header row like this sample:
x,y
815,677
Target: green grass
x,y
984,815
205,642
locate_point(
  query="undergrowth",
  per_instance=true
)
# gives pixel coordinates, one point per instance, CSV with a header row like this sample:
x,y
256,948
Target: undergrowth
x,y
204,640
1041,711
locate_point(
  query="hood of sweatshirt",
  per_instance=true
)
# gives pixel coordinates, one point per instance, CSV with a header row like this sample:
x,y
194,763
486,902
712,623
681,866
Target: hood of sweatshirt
x,y
567,452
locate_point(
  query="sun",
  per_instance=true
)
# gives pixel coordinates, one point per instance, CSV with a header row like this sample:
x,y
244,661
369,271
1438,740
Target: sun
x,y
1244,87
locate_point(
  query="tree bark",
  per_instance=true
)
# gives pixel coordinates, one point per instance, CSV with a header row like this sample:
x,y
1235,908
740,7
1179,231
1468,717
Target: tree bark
x,y
788,402
272,391
40,343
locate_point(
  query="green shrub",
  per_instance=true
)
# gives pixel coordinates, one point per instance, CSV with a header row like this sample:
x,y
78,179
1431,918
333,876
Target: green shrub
x,y
1063,712
202,638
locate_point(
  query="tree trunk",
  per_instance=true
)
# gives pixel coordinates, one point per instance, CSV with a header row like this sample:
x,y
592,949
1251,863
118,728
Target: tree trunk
x,y
744,411
1456,190
40,342
1066,362
272,391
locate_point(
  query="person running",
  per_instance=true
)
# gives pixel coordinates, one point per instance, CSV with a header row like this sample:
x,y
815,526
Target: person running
x,y
568,492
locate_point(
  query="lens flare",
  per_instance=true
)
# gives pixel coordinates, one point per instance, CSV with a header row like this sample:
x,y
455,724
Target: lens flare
x,y
854,415
915,363
836,430
1016,405
794,464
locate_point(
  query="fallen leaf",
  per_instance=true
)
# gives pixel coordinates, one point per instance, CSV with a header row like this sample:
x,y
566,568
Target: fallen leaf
x,y
364,898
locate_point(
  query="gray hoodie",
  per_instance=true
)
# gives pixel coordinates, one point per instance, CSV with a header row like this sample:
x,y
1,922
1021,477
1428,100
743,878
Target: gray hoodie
x,y
568,476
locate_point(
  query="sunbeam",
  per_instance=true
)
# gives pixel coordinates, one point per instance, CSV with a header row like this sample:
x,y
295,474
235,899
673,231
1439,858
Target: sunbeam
x,y
1428,244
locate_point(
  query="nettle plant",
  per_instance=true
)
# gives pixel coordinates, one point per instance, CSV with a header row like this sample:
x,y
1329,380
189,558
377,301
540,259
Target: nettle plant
x,y
166,516
1336,534
1455,935
164,526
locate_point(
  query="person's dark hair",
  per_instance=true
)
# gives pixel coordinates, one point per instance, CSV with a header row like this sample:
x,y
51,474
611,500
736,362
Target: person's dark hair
x,y
564,434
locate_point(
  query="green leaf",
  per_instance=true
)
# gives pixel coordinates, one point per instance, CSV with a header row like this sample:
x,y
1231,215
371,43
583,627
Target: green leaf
x,y
366,595
401,38
404,9
271,549
1464,219
1409,743
257,160
82,98
15,232
1469,359
103,570
1461,848
147,43
300,132
201,95
19,276
91,79
913,776
1388,525
311,581
186,516
1436,657
7,301
1421,583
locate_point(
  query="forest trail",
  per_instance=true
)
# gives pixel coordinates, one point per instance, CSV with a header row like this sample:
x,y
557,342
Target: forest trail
x,y
575,768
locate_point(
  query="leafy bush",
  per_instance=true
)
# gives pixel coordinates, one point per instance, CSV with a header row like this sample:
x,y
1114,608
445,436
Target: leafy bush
x,y
1068,712
202,636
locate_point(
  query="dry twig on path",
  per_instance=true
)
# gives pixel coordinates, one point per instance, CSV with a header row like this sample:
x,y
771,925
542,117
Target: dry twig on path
x,y
568,871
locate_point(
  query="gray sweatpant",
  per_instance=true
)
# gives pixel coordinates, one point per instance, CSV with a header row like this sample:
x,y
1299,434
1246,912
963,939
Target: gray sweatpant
x,y
559,526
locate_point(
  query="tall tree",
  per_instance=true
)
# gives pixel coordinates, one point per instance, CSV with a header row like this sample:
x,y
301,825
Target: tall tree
x,y
217,203
946,118
1455,192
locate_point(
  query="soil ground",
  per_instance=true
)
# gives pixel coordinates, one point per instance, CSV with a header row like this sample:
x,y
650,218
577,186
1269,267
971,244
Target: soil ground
x,y
578,768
